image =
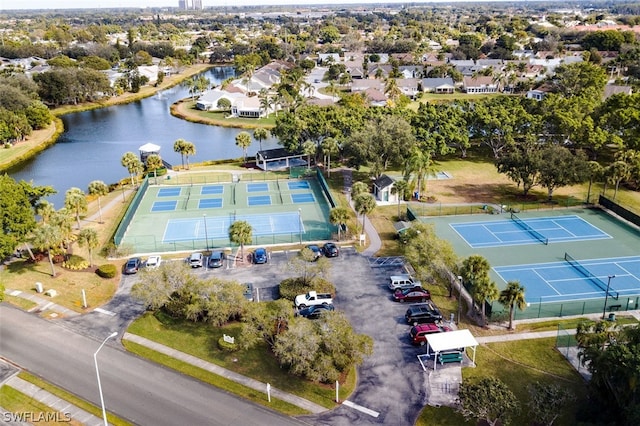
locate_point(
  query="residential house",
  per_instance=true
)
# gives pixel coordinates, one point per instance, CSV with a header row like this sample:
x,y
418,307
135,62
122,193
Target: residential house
x,y
363,85
479,84
376,70
383,189
438,85
328,58
614,89
376,97
411,71
409,86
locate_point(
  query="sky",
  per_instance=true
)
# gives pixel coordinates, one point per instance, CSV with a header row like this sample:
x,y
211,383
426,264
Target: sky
x,y
80,4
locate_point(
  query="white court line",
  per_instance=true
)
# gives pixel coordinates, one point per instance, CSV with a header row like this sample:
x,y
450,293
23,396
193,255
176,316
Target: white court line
x,y
104,311
361,408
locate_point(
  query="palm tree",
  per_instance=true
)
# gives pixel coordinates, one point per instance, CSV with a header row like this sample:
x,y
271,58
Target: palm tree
x,y
330,146
364,204
178,146
46,237
99,189
419,162
596,171
89,237
338,216
45,210
484,290
400,187
260,134
76,201
513,296
309,149
133,165
243,141
189,150
241,232
359,188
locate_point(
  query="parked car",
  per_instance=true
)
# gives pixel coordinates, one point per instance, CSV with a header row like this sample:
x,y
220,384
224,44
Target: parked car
x,y
423,313
403,282
216,259
314,312
419,333
260,256
195,260
313,298
330,250
315,249
417,294
132,265
248,291
153,262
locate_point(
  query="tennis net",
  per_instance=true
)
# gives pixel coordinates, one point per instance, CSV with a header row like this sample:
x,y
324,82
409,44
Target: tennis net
x,y
584,271
522,224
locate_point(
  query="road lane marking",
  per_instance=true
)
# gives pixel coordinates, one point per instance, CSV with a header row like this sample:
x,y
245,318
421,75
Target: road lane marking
x,y
104,311
361,408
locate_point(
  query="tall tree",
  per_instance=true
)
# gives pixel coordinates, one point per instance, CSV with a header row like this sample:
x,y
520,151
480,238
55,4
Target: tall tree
x,y
133,165
475,271
75,200
418,164
359,188
243,141
338,216
364,204
521,164
178,146
17,218
309,149
260,134
400,189
89,237
431,257
560,167
487,399
47,237
513,297
595,172
99,189
330,147
189,151
241,232
546,401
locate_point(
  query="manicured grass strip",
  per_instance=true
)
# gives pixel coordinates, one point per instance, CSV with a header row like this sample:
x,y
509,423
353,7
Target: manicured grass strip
x,y
215,380
29,409
20,302
72,399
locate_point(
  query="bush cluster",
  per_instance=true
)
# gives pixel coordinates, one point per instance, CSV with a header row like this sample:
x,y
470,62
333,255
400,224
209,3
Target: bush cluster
x,y
75,263
291,287
226,346
108,270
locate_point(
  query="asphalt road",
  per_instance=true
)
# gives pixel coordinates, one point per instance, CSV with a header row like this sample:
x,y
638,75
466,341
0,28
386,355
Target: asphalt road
x,y
139,391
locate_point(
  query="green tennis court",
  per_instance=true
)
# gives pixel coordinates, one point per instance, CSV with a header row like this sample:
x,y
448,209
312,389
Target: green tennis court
x,y
193,217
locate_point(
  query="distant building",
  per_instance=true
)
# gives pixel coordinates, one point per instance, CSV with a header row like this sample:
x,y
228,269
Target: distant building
x,y
190,4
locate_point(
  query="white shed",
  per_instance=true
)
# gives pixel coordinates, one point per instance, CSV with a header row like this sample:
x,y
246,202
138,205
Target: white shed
x,y
450,341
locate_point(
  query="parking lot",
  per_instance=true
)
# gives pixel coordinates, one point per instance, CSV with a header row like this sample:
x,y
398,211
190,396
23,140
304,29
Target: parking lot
x,y
392,386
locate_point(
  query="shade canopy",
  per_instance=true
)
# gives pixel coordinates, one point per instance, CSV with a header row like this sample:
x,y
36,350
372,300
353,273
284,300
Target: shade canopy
x,y
149,147
442,342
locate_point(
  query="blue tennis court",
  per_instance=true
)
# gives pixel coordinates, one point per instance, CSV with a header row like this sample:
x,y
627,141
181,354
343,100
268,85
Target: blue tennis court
x,y
169,192
259,200
562,282
532,231
210,203
258,187
164,206
306,197
212,190
217,227
301,184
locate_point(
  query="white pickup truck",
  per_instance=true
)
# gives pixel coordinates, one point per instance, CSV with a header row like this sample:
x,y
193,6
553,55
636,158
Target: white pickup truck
x,y
313,298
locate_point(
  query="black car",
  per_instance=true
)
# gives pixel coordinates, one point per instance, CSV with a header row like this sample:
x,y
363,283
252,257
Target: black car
x,y
331,250
216,259
314,312
423,313
132,265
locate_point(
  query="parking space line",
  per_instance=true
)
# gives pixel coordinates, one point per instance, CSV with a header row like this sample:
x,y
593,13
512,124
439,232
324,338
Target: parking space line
x,y
361,408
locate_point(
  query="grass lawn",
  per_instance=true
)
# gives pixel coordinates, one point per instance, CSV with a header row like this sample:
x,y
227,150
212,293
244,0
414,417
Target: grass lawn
x,y
15,401
518,364
200,340
186,109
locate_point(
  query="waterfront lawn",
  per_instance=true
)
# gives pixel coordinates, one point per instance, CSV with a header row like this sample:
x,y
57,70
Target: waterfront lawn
x,y
201,341
186,109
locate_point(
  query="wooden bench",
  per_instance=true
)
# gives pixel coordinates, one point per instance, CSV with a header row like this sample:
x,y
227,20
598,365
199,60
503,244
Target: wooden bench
x,y
444,358
614,308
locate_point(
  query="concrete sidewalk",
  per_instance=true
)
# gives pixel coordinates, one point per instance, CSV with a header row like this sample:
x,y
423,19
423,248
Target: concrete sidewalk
x,y
42,304
215,369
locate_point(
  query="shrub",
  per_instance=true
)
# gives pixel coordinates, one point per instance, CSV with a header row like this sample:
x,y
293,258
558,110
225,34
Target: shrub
x,y
226,346
108,270
75,263
291,287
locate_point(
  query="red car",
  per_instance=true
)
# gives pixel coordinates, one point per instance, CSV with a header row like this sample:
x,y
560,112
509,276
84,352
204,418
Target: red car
x,y
416,294
419,333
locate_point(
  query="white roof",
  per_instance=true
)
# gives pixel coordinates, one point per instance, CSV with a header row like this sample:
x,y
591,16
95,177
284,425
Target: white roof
x,y
149,147
440,342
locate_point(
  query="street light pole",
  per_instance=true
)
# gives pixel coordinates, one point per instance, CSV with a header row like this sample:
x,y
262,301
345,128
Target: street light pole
x,y
300,223
95,361
606,295
206,234
459,299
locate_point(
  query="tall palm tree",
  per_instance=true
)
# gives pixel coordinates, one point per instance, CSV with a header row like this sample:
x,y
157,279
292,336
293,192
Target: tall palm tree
x,y
400,188
89,237
241,232
189,151
76,201
338,216
178,146
419,162
359,188
260,134
243,141
45,210
133,165
596,171
309,148
99,189
513,296
47,237
329,147
484,290
364,204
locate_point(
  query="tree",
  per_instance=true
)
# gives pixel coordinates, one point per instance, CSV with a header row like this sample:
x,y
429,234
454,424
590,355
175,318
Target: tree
x,y
330,147
364,204
75,200
189,150
430,256
178,146
595,172
359,188
309,149
582,79
260,134
546,401
133,165
89,237
17,219
99,189
241,232
513,297
243,141
308,267
487,399
338,216
153,163
560,167
418,163
475,270
400,189
265,322
521,163
156,287
47,237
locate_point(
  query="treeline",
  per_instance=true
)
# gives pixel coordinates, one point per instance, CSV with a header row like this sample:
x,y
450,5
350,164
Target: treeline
x,y
21,111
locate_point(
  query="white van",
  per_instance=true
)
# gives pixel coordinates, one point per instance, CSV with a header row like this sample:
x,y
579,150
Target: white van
x,y
402,282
